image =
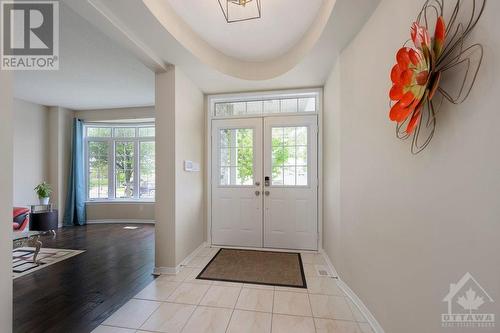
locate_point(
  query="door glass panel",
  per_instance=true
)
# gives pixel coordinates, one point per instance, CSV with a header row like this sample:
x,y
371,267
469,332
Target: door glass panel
x,y
236,157
301,176
289,156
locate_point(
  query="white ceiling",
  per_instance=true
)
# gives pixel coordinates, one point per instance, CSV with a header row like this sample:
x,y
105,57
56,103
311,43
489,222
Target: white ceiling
x,y
133,24
110,48
95,72
281,26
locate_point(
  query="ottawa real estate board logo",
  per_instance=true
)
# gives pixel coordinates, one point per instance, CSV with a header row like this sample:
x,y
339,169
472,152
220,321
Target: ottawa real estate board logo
x,y
29,35
468,303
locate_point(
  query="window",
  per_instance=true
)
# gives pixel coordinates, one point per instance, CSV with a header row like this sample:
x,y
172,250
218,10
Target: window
x,y
120,161
98,169
289,165
283,104
236,157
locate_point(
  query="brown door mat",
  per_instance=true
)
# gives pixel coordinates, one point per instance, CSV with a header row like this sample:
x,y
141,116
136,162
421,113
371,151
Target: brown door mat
x,y
256,267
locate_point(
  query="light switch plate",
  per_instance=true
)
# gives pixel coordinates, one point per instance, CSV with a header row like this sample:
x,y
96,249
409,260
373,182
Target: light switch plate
x,y
190,166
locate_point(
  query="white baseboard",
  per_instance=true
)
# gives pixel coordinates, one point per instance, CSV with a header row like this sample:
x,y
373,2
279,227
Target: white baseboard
x,y
175,270
166,270
192,255
333,271
120,221
361,306
372,321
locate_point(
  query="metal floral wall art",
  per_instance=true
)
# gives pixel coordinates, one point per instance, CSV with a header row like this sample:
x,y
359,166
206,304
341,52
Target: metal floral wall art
x,y
433,70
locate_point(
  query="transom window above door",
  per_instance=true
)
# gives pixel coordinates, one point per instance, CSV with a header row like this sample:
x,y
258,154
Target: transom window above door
x,y
265,105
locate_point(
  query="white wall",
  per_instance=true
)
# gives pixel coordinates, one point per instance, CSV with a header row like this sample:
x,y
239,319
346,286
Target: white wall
x,y
165,170
116,114
331,164
411,225
6,163
138,211
179,195
31,150
189,145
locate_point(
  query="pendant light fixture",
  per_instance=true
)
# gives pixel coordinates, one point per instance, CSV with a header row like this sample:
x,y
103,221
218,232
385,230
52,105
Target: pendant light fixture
x,y
240,10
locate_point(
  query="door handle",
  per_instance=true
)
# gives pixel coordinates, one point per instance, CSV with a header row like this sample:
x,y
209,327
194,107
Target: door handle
x,y
257,183
267,193
257,193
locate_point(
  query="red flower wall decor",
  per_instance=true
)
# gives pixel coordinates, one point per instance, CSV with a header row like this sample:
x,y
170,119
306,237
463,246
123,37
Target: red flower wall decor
x,y
425,69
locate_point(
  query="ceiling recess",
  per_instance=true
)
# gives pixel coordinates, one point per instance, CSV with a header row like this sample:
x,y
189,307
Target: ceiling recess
x,y
240,10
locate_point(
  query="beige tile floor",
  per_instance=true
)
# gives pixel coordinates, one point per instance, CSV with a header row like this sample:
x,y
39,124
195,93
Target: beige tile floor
x,y
180,303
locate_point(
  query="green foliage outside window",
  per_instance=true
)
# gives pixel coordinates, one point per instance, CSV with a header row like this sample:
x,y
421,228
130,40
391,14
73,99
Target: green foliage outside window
x,y
244,140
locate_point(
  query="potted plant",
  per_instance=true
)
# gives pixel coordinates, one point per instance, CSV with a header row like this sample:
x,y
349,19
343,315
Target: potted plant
x,y
43,191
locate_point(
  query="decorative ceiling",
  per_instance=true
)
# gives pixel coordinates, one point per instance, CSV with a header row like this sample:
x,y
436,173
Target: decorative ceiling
x,y
110,49
282,24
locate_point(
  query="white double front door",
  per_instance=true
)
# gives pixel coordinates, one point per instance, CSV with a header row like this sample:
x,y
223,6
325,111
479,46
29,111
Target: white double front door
x,y
264,182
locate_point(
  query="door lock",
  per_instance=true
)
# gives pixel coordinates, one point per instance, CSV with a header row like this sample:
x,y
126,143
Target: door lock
x,y
257,183
267,181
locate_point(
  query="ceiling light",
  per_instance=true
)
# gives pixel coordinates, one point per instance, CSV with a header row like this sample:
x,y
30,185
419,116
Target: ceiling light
x,y
240,10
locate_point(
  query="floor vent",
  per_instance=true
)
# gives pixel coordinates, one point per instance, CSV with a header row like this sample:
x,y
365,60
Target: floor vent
x,y
322,270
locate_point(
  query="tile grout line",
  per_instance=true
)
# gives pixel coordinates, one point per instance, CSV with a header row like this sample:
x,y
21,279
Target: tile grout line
x,y
234,307
161,303
272,310
312,315
149,315
196,306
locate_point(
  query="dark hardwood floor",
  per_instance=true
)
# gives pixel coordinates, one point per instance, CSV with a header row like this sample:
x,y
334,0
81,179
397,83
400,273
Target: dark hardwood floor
x,y
77,294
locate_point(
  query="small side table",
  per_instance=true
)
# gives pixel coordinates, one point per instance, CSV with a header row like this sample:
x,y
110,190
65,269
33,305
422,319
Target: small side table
x,y
28,238
44,220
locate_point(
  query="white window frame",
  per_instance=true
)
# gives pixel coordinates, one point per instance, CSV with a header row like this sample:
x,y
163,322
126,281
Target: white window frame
x,y
111,158
264,96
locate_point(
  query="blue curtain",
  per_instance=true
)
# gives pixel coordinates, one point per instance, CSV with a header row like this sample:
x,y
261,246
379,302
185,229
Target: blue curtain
x,y
74,213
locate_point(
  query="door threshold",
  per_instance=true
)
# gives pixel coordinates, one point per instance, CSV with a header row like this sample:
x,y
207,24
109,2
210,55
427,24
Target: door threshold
x,y
270,249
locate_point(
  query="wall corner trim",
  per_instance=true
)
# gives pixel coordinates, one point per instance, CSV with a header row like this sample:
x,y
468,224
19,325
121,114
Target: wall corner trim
x,y
372,321
166,270
175,270
333,271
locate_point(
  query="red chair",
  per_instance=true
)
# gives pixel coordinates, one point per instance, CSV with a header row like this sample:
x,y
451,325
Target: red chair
x,y
21,218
